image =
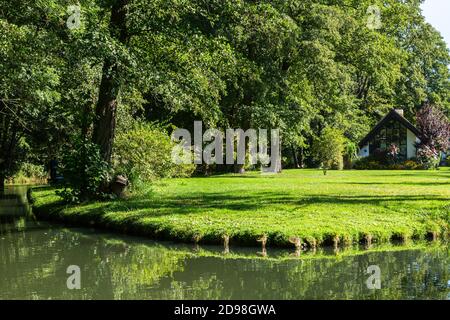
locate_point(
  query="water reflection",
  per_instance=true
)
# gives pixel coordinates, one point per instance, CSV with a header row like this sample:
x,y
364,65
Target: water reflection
x,y
34,257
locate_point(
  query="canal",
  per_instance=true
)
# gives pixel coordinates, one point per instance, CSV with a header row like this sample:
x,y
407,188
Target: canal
x,y
35,257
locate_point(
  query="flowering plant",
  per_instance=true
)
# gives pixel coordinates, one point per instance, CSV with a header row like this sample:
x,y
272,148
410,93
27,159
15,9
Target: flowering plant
x,y
392,153
428,157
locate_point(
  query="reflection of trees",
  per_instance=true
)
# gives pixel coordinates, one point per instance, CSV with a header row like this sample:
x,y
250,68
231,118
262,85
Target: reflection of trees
x,y
137,270
34,265
34,259
405,275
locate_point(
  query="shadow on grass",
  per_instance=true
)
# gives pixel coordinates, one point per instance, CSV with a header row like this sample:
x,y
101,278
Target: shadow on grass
x,y
157,207
408,173
425,184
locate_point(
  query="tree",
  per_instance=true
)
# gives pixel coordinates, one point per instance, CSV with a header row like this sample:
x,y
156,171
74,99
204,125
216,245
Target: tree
x,y
425,73
28,91
328,149
298,65
434,128
105,112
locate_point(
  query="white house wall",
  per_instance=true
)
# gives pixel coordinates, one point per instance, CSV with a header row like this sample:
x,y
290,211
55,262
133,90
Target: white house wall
x,y
411,140
364,151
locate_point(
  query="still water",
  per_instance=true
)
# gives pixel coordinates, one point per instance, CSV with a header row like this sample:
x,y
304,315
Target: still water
x,y
34,257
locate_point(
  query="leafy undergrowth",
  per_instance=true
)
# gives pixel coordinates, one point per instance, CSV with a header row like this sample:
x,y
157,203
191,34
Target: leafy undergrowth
x,y
340,208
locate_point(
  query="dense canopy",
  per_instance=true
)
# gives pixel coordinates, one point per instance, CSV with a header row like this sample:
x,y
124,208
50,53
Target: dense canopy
x,y
83,70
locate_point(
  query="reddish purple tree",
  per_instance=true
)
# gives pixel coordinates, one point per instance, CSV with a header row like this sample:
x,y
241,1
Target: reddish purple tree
x,y
434,128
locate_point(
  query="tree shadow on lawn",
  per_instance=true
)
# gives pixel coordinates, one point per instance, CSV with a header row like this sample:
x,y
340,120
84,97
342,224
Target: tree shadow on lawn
x,y
407,173
251,175
425,184
235,203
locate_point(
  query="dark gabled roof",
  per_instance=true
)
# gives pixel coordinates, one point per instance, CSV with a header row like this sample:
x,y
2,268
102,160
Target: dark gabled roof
x,y
391,115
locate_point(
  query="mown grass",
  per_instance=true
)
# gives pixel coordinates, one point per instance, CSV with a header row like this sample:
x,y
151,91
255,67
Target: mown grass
x,y
341,208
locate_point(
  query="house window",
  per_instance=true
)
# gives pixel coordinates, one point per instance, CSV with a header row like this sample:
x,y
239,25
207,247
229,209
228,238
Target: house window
x,y
393,132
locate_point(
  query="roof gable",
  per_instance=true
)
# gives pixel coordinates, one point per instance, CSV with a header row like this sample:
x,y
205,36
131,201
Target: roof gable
x,y
392,115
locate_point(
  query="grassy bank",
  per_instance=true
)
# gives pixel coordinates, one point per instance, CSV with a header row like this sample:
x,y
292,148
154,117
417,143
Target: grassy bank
x,y
343,207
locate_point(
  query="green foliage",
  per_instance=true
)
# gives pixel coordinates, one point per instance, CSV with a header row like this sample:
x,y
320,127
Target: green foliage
x,y
144,154
351,150
328,149
374,163
28,89
33,171
368,163
84,172
428,157
30,173
298,65
411,165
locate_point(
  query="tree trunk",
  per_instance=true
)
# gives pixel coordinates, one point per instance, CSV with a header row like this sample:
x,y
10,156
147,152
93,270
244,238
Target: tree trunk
x,y
239,168
85,121
294,155
105,112
2,183
302,159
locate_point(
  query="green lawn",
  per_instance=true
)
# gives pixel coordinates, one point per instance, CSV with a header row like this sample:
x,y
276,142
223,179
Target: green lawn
x,y
345,205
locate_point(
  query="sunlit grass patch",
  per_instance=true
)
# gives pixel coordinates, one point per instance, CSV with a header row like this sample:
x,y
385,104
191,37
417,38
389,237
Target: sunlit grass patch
x,y
340,208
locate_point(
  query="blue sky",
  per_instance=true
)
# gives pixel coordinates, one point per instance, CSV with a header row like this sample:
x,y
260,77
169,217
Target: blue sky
x,y
437,14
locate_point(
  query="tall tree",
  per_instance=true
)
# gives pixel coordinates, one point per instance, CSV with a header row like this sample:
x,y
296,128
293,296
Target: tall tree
x,y
434,128
27,91
106,110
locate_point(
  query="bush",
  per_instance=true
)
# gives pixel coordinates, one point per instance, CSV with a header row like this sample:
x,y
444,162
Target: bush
x,y
412,165
428,157
84,172
372,163
350,154
392,154
381,156
329,148
368,163
144,154
29,173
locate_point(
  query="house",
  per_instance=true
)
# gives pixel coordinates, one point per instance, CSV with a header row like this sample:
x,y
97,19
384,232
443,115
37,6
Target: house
x,y
394,128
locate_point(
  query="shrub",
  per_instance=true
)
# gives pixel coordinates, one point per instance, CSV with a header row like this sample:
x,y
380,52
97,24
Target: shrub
x,y
368,163
144,154
428,157
350,154
392,153
395,166
30,173
371,163
84,172
329,148
411,165
381,156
